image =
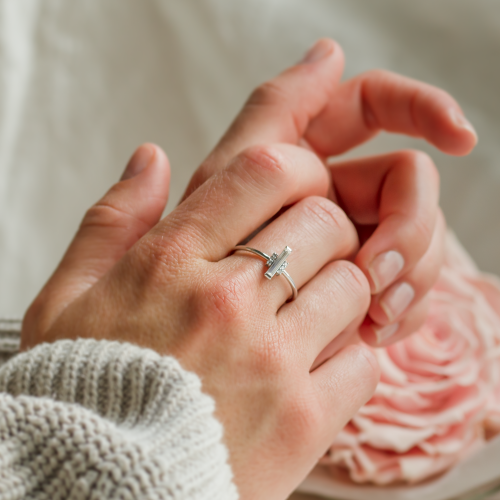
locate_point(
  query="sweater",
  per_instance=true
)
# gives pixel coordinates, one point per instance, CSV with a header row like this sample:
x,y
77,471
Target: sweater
x,y
89,419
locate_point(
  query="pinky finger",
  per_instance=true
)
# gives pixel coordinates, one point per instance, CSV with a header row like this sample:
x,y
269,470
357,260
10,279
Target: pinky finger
x,y
344,383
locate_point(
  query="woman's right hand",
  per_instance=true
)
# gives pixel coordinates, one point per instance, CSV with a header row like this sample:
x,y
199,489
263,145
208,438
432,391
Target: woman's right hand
x,y
391,198
180,291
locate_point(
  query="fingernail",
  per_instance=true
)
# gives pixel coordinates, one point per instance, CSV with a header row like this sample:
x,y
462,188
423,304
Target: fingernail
x,y
396,300
384,269
461,122
384,332
320,50
139,161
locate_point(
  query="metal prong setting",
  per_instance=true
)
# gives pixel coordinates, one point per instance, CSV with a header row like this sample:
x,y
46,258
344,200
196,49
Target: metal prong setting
x,y
277,263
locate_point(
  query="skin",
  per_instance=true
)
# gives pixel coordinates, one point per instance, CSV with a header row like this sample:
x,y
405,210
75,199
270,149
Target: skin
x,y
397,210
283,377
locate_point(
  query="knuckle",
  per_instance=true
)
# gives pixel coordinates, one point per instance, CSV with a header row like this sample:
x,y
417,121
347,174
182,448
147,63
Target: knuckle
x,y
225,299
266,159
268,94
159,258
266,164
305,419
275,96
351,281
420,162
355,276
327,212
272,352
269,357
105,216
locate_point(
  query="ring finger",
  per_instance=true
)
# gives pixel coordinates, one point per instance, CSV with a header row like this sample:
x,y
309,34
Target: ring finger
x,y
316,230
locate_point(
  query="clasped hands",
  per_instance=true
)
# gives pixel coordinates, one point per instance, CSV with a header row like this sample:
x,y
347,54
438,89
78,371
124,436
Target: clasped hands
x,y
367,238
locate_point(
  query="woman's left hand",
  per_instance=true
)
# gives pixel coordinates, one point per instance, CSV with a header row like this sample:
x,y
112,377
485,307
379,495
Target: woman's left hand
x,y
392,199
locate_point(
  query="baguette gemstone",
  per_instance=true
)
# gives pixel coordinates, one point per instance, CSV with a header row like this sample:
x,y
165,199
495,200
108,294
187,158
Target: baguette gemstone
x,y
277,264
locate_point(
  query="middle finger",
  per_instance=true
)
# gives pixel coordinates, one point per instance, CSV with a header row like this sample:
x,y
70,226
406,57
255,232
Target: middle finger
x,y
233,204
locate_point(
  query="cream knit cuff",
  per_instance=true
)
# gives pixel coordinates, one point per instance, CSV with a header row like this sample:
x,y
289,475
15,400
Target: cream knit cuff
x,y
97,419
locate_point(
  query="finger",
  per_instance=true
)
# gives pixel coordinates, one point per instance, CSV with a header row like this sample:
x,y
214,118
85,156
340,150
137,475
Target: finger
x,y
389,306
316,230
337,297
382,336
110,227
280,109
344,384
380,100
399,192
234,203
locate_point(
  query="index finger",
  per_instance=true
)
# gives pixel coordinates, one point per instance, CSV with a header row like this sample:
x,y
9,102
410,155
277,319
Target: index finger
x,y
308,101
280,110
381,100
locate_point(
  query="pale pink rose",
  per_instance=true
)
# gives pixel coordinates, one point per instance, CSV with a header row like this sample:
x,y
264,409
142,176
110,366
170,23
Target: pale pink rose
x,y
439,394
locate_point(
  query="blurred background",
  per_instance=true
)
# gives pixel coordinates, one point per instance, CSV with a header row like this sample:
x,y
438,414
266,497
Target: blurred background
x,y
83,83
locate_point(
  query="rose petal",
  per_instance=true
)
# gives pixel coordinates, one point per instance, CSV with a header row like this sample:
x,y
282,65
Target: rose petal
x,y
439,393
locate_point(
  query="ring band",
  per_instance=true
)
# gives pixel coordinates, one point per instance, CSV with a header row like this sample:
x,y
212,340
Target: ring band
x,y
276,264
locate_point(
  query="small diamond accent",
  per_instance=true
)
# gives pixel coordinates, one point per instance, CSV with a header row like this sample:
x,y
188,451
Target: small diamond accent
x,y
282,268
277,263
271,260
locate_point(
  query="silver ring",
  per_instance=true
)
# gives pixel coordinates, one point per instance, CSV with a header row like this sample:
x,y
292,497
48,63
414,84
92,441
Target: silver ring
x,y
276,264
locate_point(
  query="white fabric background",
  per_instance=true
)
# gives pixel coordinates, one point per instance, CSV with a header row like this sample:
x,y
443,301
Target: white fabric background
x,y
82,83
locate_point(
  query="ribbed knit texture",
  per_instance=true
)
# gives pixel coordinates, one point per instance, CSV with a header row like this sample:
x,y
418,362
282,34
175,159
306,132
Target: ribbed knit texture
x,y
9,338
93,419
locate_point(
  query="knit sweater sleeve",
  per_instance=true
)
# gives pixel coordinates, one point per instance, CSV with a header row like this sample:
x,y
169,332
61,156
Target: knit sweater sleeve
x,y
90,419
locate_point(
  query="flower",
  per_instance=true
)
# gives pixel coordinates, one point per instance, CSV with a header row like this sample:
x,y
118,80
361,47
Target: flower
x,y
439,394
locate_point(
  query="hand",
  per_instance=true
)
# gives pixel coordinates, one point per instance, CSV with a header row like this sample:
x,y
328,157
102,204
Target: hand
x,y
177,291
150,297
393,198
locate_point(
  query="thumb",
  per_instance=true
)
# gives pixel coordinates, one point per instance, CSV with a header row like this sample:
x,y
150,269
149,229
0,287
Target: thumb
x,y
110,227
